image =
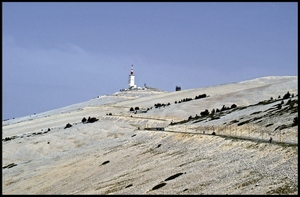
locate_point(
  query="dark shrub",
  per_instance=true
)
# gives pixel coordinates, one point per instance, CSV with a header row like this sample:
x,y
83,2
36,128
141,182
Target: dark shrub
x,y
279,106
93,119
83,120
233,106
295,121
131,109
200,96
159,186
174,176
204,113
137,108
68,126
105,162
157,105
223,108
287,95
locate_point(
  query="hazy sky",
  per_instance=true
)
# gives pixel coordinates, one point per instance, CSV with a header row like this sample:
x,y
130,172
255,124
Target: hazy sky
x,y
59,54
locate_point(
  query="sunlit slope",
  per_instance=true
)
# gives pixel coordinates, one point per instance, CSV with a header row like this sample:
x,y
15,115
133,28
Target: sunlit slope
x,y
120,154
243,93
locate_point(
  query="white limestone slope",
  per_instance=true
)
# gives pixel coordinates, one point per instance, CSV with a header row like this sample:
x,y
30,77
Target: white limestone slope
x,y
111,156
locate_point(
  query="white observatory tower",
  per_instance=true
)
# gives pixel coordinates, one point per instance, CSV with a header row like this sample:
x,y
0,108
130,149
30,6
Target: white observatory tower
x,y
131,79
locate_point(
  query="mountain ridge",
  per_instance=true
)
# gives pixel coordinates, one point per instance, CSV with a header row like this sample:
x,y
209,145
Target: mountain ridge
x,y
123,152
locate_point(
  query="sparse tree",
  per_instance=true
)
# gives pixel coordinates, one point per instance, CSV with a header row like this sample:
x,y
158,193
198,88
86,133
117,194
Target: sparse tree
x,y
287,95
233,106
279,106
68,126
212,112
204,113
295,121
223,108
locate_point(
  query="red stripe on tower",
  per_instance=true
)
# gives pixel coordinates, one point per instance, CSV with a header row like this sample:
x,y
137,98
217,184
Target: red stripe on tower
x,y
131,72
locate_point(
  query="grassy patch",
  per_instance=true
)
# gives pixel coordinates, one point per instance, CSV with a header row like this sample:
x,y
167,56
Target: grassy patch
x,y
233,121
194,160
252,178
255,113
256,118
250,182
153,151
245,122
215,117
281,127
284,189
176,153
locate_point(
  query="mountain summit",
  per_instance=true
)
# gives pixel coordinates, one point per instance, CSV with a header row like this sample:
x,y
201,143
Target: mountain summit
x,y
238,138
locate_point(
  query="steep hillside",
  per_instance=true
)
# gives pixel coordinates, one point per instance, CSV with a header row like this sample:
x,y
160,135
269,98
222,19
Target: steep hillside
x,y
156,142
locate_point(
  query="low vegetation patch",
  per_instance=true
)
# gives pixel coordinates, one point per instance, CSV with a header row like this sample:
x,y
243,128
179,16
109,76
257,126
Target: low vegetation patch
x,y
233,121
9,165
68,126
159,186
245,122
9,138
174,176
129,185
284,189
105,162
255,113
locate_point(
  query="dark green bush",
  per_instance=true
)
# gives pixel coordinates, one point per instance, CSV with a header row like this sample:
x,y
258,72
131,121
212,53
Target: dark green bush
x,y
295,121
287,95
233,106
